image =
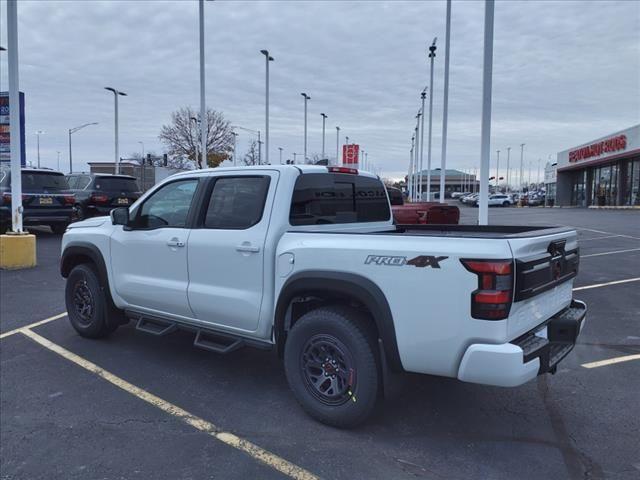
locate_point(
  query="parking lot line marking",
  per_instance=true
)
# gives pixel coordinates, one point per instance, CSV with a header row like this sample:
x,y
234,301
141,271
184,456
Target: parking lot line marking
x,y
256,452
611,361
598,285
32,325
609,253
600,231
598,238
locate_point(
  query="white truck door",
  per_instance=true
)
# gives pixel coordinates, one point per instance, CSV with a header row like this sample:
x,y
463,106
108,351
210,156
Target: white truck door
x,y
226,250
149,259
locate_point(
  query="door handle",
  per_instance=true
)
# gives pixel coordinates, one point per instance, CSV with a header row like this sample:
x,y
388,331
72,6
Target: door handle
x,y
174,242
247,247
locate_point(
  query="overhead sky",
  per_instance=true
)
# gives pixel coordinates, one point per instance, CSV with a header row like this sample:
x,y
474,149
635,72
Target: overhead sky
x,y
564,73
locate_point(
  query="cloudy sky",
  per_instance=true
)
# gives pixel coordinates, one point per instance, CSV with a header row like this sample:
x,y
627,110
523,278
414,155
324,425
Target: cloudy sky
x,y
564,73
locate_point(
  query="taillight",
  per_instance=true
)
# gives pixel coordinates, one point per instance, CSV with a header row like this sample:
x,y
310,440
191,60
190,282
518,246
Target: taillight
x,y
69,199
492,300
6,199
343,170
97,198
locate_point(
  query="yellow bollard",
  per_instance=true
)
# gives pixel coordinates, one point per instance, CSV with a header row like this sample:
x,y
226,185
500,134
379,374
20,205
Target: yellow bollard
x,y
17,250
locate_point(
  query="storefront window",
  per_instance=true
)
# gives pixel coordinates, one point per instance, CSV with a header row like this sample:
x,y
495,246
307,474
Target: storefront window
x,y
578,194
605,186
632,189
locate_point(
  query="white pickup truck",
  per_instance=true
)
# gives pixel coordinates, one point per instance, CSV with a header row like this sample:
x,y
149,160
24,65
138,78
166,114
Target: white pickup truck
x,y
306,260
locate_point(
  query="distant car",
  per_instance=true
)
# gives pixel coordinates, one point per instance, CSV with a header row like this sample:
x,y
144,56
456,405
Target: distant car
x,y
459,194
500,200
420,213
46,199
99,193
469,199
535,200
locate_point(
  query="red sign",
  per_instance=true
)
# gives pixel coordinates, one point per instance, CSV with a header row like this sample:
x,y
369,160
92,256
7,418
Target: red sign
x,y
350,154
608,145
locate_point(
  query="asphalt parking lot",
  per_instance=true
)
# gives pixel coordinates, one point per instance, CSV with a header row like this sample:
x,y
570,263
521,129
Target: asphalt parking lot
x,y
188,413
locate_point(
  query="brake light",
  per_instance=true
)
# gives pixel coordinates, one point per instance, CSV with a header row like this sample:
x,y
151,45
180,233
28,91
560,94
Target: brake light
x,y
353,171
492,300
69,199
97,198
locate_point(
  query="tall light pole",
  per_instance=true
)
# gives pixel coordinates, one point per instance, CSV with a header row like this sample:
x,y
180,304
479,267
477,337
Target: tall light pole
x,y
538,175
142,145
38,133
485,143
203,112
295,156
418,190
432,56
280,148
235,143
410,179
497,171
337,145
268,59
420,117
346,141
324,118
508,155
116,94
58,163
14,116
521,164
74,130
445,104
306,99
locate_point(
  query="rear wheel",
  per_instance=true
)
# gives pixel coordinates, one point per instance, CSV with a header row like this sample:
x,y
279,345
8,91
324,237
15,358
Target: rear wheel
x,y
87,304
79,212
505,204
331,365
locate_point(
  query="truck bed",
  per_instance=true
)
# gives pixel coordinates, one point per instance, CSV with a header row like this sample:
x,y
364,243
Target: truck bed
x,y
477,231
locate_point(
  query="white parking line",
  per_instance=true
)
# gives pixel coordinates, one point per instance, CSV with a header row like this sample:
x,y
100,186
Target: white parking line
x,y
260,454
598,238
611,361
598,285
32,325
600,231
610,253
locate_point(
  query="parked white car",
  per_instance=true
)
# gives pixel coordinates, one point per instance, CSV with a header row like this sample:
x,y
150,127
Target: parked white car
x,y
306,260
500,200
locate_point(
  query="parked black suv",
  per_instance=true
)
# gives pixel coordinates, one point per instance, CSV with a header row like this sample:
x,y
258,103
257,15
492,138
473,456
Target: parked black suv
x,y
99,193
46,199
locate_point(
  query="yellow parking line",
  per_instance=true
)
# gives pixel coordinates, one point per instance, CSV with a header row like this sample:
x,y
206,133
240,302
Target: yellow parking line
x,y
32,325
611,361
616,282
230,439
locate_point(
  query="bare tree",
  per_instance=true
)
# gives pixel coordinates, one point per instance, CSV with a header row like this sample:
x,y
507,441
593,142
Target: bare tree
x,y
182,137
251,157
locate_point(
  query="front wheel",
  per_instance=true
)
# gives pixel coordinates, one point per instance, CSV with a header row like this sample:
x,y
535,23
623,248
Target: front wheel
x,y
331,365
87,304
505,204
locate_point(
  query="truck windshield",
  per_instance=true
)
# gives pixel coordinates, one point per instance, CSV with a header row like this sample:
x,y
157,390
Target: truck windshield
x,y
37,182
324,198
119,184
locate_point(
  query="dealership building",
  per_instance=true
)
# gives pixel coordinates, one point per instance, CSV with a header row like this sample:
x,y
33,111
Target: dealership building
x,y
601,173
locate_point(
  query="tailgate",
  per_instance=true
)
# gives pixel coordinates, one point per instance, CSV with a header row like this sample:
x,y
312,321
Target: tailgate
x,y
544,270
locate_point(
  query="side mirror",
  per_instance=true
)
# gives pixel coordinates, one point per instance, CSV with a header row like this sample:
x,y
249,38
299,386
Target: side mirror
x,y
120,216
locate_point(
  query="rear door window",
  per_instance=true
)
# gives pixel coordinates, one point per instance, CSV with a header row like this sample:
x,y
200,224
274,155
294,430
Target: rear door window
x,y
330,198
237,203
44,182
116,184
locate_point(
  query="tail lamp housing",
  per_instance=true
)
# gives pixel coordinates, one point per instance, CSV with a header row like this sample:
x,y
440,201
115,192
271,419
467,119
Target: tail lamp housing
x,y
494,296
99,198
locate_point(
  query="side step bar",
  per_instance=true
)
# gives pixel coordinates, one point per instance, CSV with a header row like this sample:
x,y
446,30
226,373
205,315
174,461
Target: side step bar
x,y
214,341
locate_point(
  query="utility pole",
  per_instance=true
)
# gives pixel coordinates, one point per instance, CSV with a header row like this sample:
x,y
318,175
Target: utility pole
x,y
445,104
432,56
508,155
203,112
280,148
497,171
410,179
38,133
324,118
116,94
521,164
338,146
268,58
306,99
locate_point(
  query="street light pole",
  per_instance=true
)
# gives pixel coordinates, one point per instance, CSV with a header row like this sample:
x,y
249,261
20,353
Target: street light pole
x,y
280,148
508,155
337,145
521,164
58,163
420,117
306,99
324,118
410,179
497,171
416,152
142,144
38,133
203,112
432,56
235,142
116,93
445,104
268,59
485,144
74,130
295,155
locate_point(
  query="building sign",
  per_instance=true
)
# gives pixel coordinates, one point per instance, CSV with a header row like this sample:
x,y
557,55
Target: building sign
x,y
608,145
350,154
5,135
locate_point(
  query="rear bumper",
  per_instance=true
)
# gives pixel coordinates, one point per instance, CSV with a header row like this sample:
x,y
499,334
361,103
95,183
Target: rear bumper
x,y
534,353
42,216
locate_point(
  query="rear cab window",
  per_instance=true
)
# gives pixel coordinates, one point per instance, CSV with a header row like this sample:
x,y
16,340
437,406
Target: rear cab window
x,y
237,203
116,184
338,198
